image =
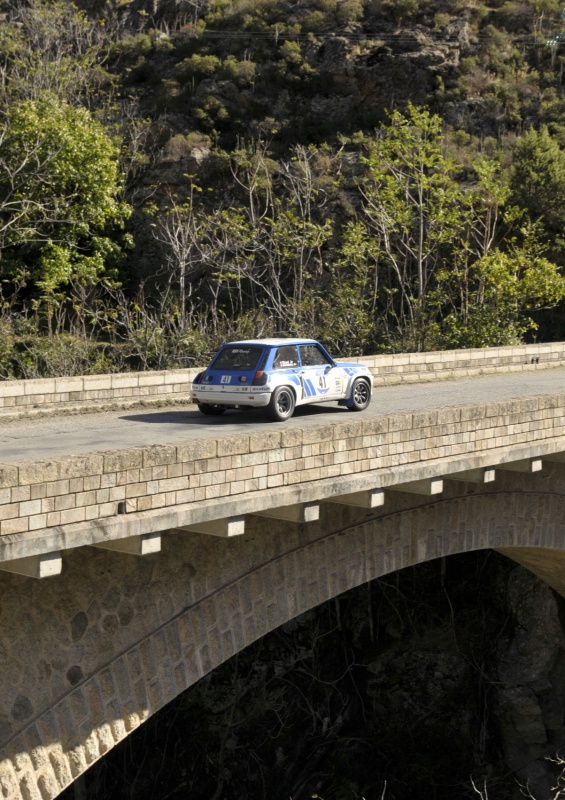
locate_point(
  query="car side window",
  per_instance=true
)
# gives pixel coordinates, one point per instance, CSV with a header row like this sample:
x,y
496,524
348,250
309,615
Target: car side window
x,y
312,356
286,357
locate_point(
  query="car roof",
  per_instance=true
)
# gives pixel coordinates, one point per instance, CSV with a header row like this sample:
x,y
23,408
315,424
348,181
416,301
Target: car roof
x,y
272,342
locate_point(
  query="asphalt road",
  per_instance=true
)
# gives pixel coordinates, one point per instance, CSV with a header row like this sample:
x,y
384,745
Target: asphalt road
x,y
51,437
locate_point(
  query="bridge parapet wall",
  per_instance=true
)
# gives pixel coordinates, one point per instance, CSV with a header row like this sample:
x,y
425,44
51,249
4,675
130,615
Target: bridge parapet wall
x,y
192,479
398,368
105,391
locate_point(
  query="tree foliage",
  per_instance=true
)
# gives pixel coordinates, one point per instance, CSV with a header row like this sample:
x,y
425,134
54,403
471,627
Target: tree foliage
x,y
538,181
50,48
59,190
236,123
441,272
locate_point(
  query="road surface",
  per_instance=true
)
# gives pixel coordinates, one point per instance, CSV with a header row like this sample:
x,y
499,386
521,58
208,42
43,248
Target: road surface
x,y
71,434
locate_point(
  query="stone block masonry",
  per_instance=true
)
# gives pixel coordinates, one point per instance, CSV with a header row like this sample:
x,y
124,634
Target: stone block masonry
x,y
157,487
91,652
88,658
19,398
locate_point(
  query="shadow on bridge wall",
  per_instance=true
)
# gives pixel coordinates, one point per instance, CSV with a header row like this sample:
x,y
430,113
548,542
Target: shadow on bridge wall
x,y
91,654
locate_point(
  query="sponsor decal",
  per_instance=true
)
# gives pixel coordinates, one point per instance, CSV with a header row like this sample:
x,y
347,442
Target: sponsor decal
x,y
323,387
309,388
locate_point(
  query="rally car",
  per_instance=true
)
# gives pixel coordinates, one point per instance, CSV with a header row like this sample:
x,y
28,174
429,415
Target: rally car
x,y
278,375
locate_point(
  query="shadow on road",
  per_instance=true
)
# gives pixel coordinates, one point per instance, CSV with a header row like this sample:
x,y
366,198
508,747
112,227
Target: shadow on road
x,y
231,417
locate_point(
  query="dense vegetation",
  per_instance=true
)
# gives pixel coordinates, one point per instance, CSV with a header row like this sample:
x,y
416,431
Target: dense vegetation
x,y
381,175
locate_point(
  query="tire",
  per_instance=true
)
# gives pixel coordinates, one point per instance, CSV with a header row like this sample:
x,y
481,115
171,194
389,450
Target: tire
x,y
210,409
281,404
360,395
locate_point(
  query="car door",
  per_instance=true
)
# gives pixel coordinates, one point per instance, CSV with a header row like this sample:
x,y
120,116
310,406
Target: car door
x,y
321,378
286,368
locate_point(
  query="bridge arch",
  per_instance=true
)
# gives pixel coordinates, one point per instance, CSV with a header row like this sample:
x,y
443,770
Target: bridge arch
x,y
182,613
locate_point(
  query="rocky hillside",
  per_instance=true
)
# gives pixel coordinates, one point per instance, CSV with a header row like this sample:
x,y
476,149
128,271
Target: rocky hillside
x,y
299,72
387,175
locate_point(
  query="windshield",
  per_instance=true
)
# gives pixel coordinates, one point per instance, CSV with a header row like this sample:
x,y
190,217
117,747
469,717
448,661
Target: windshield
x,y
237,358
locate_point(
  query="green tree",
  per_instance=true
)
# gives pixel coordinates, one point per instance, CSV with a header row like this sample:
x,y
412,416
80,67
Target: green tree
x,y
242,73
404,10
197,68
447,269
349,322
412,210
502,288
538,182
51,46
59,193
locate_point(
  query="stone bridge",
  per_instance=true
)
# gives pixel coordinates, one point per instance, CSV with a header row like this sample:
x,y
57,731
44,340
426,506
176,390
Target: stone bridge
x,y
161,562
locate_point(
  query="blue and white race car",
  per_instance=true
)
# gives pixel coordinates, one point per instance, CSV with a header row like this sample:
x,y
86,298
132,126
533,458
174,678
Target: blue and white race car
x,y
278,375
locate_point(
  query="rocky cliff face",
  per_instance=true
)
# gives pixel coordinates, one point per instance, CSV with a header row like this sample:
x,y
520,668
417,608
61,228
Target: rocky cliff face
x,y
361,83
310,72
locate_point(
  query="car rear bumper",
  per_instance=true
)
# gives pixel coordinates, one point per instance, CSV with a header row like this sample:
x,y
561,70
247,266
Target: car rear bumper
x,y
256,398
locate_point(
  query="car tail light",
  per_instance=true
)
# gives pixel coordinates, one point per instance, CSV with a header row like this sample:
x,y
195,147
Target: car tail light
x,y
260,378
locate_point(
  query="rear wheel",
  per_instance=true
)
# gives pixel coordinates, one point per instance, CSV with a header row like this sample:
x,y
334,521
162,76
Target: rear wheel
x,y
360,395
210,409
281,404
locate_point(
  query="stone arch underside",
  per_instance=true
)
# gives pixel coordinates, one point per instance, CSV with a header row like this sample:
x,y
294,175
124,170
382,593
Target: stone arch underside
x,y
262,580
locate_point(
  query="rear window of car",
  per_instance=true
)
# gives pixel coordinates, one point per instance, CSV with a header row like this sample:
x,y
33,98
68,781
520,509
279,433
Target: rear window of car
x,y
237,358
